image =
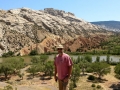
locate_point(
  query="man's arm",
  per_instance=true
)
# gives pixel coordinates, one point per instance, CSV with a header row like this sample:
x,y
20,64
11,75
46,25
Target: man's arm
x,y
55,74
69,71
55,71
69,74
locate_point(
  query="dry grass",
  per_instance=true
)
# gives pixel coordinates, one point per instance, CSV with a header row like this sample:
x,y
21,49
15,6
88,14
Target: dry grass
x,y
109,80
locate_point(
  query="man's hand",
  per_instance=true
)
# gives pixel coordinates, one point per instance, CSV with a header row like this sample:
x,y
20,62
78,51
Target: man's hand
x,y
66,79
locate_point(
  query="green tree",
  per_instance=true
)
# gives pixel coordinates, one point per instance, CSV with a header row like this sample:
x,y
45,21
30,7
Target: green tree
x,y
117,70
8,54
83,64
100,68
77,60
97,59
33,52
108,59
43,58
33,69
6,68
35,59
17,64
49,68
88,58
75,74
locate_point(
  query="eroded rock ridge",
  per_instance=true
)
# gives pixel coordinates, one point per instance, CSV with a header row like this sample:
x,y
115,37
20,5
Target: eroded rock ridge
x,y
24,29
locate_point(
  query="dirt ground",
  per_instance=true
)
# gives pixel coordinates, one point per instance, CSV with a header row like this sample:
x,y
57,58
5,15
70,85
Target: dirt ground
x,y
38,83
109,83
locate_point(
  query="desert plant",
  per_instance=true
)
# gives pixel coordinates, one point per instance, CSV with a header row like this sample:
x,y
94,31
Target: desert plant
x,y
33,52
8,87
93,85
98,86
91,77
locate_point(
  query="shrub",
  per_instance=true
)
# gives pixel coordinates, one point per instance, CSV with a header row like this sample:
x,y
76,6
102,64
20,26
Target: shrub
x,y
98,86
91,77
71,86
8,54
93,85
117,76
8,87
89,70
33,52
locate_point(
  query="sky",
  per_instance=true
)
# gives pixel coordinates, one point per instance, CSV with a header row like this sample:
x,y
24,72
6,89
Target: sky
x,y
88,10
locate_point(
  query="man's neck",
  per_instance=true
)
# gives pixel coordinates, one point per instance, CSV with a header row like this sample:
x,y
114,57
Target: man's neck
x,y
60,54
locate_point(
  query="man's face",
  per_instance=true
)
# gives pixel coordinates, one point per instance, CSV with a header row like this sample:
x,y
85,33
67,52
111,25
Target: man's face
x,y
60,50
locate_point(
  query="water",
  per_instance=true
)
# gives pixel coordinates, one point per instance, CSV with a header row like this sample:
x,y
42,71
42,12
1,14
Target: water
x,y
113,58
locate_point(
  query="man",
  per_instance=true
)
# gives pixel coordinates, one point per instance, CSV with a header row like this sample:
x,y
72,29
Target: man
x,y
63,68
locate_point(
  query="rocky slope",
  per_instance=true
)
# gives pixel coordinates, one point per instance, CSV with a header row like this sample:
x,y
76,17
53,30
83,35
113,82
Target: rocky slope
x,y
24,29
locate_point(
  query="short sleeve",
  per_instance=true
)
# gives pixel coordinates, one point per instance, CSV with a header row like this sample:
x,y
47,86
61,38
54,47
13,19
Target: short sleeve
x,y
69,61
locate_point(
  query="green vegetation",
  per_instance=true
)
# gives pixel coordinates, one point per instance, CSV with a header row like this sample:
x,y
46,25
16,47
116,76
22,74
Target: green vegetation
x,y
93,85
75,75
110,46
40,64
8,54
117,71
91,77
10,66
100,69
33,52
81,67
8,87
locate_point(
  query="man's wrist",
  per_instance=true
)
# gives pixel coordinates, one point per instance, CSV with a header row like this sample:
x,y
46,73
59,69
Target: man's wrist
x,y
68,76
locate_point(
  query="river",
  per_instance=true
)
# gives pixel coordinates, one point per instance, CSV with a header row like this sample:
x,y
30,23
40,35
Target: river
x,y
115,58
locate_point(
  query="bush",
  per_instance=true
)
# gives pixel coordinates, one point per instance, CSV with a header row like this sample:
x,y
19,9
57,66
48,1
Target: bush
x,y
8,87
33,52
8,54
117,76
71,86
89,70
93,85
91,77
98,86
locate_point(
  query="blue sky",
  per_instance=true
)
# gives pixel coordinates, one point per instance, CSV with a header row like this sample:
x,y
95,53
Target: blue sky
x,y
89,10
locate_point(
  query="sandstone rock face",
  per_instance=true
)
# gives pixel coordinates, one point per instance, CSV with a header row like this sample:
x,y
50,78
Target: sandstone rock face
x,y
24,29
82,44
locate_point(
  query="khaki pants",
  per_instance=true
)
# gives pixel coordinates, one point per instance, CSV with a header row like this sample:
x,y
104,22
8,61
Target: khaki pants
x,y
62,85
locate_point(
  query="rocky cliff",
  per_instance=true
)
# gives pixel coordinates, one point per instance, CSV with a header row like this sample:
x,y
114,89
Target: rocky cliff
x,y
24,29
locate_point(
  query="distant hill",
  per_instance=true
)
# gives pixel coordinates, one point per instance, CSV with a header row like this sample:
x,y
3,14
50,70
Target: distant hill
x,y
109,25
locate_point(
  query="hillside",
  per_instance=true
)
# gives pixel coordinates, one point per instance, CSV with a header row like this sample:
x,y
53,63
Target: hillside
x,y
109,25
24,29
